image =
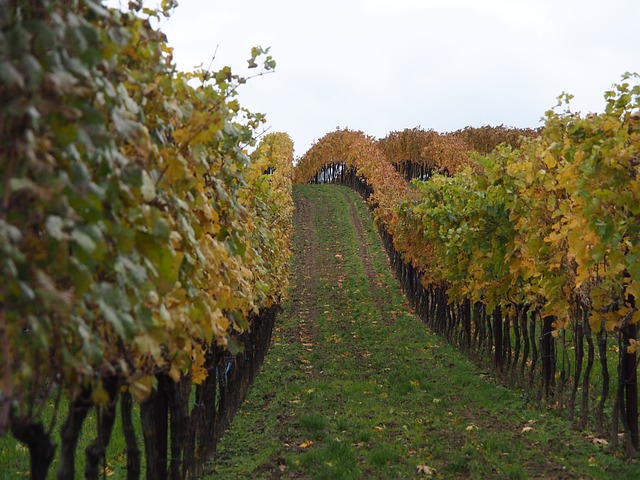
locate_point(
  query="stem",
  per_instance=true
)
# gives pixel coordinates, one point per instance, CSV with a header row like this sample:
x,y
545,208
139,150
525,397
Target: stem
x,y
587,372
106,418
7,380
153,415
629,381
602,350
41,448
133,451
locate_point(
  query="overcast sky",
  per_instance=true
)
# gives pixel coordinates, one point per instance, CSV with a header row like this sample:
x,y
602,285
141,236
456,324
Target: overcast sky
x,y
384,65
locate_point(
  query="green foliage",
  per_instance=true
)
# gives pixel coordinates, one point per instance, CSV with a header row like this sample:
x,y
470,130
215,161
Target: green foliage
x,y
135,230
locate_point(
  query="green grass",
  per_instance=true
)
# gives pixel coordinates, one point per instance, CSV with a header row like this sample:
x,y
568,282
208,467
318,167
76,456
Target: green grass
x,y
356,387
314,425
332,461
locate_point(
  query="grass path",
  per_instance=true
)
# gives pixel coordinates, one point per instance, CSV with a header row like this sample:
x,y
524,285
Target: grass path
x,y
354,385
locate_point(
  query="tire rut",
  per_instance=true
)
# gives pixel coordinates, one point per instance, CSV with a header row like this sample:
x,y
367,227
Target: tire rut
x,y
304,299
365,255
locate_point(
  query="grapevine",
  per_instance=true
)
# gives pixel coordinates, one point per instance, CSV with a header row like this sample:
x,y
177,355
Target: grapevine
x,y
136,232
536,228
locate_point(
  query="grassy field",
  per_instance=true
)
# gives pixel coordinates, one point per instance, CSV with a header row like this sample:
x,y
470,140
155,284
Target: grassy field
x,y
356,387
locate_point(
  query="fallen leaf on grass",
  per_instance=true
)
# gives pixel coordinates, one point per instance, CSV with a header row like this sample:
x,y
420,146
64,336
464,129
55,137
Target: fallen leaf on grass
x,y
106,470
426,470
599,441
306,444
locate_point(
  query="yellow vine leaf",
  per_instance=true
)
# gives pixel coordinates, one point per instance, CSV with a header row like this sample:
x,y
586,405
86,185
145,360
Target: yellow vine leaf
x,y
99,396
174,372
612,321
198,370
142,388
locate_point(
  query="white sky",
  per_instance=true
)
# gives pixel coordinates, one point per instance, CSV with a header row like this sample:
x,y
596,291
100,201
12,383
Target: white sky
x,y
384,65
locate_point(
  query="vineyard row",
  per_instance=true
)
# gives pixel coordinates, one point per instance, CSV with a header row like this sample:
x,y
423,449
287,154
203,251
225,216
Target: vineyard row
x,y
526,254
143,252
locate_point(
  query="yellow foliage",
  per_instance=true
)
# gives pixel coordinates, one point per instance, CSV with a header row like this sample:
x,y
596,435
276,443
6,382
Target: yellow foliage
x,y
142,387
